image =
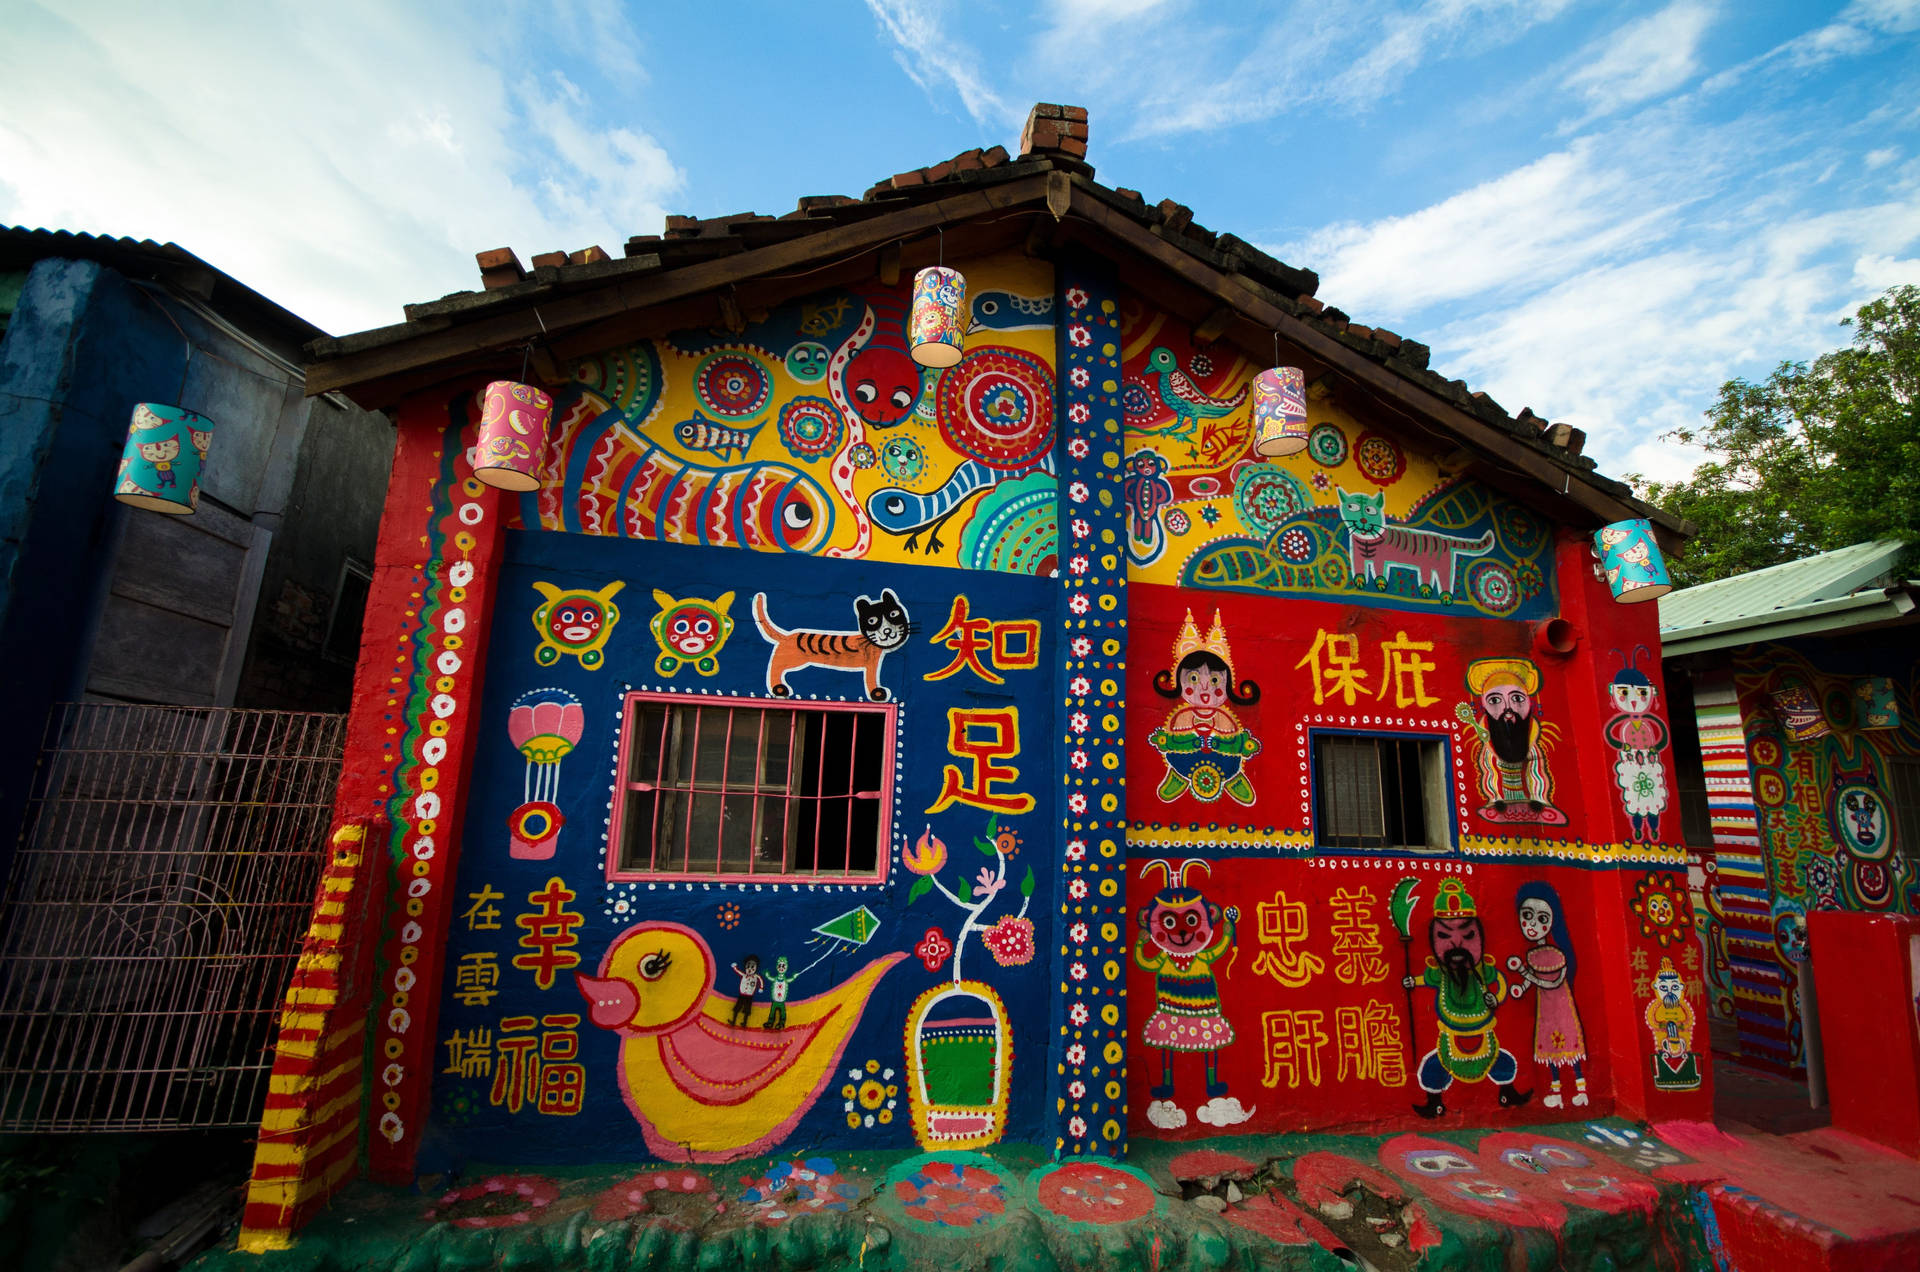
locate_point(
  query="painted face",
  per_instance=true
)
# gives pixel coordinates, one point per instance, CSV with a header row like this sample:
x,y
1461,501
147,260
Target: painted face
x,y
1536,919
1668,986
575,620
1632,699
1463,935
807,361
1203,687
691,630
1660,908
158,451
780,966
882,385
1506,702
1181,928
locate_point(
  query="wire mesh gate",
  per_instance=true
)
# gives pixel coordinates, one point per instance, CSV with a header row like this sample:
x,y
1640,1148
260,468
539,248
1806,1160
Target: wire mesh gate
x,y
154,912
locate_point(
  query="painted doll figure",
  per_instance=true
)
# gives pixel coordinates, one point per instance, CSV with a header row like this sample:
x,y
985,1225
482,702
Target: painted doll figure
x,y
1203,742
1670,1017
777,981
1182,936
161,455
1467,986
748,970
1547,968
1639,736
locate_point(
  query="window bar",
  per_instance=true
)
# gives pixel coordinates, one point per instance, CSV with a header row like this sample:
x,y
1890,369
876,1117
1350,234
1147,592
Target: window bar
x,y
787,862
720,822
757,818
693,773
853,758
819,788
669,724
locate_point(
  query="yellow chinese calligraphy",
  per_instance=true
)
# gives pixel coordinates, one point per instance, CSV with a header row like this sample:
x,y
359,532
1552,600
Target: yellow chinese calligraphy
x,y
1403,671
1340,674
1356,938
1282,924
1293,1040
1370,1045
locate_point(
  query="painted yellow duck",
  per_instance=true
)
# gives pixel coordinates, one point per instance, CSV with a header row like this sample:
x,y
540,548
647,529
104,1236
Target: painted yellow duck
x,y
702,1088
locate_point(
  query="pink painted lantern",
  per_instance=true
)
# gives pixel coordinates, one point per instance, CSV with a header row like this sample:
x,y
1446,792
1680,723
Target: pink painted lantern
x,y
1279,412
513,436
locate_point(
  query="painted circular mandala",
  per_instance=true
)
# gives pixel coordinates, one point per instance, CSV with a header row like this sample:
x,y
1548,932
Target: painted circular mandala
x,y
1379,459
1136,401
1492,586
1176,521
1266,496
732,385
1859,817
1770,790
1333,573
903,459
1869,884
1528,576
996,406
1296,546
1207,780
1766,751
1522,531
862,456
811,428
1201,364
1092,1192
949,1191
1327,445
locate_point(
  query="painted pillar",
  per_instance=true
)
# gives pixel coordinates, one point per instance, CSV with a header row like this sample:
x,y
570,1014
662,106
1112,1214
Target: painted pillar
x,y
1087,1073
1864,970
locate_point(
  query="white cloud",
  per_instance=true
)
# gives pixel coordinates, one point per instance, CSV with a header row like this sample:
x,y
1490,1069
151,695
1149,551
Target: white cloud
x,y
936,60
1881,158
341,164
1643,59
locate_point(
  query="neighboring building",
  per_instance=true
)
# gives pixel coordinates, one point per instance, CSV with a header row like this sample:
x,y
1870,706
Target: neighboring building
x,y
1798,740
1053,769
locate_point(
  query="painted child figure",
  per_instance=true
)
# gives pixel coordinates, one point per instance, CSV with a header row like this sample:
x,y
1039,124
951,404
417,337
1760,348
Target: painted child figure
x,y
777,981
1547,967
1467,986
1202,741
1640,737
1182,935
750,981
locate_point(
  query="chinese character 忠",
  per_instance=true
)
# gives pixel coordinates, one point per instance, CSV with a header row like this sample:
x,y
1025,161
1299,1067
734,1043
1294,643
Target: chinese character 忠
x,y
1283,922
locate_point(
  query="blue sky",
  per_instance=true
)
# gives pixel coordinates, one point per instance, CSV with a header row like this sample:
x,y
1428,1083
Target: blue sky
x,y
1600,210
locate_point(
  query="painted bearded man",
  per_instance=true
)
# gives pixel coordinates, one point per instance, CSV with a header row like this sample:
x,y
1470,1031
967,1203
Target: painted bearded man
x,y
1467,986
1511,741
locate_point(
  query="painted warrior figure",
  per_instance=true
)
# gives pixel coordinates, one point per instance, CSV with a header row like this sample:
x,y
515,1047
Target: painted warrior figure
x,y
1511,741
1467,986
1182,935
1670,1017
1203,742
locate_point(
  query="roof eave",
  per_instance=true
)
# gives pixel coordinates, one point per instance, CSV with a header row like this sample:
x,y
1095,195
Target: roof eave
x,y
1815,618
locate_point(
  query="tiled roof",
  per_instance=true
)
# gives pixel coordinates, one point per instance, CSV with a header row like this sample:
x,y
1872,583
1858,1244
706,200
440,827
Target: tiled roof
x,y
1762,595
513,298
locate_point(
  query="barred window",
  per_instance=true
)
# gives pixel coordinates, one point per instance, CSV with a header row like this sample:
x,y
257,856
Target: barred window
x,y
744,787
1380,792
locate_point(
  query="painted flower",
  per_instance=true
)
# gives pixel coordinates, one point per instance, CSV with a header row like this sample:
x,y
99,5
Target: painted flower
x,y
1077,803
1006,843
1078,336
728,916
986,883
1082,646
1177,521
1209,513
1078,563
1078,759
1077,1127
1078,722
1320,480
933,949
1078,935
869,1096
1076,1055
1080,528
1077,491
1079,686
1078,971
1078,447
1078,603
1079,413
1010,941
1077,1089
621,905
929,853
1076,849
1079,378
1077,889
1077,298
1078,1014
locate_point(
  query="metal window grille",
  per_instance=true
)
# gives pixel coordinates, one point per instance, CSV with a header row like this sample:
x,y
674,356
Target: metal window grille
x,y
1373,792
752,789
154,912
1903,793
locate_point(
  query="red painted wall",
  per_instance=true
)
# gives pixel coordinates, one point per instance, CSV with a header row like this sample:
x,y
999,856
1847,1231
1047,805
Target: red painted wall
x,y
1863,973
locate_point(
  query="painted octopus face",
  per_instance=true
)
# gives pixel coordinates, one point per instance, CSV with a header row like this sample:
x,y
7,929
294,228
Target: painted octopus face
x,y
1462,939
574,621
1203,687
1632,699
1536,919
691,631
1506,702
1184,928
882,385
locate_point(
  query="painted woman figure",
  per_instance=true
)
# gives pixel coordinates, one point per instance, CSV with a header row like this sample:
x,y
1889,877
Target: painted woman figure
x,y
1203,742
1547,967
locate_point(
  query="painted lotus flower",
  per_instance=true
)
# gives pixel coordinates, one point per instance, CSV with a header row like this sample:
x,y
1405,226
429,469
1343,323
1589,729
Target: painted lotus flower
x,y
928,855
1010,941
933,949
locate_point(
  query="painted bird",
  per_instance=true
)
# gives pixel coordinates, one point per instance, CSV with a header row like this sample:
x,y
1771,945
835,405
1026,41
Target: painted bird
x,y
703,1089
1007,311
1184,398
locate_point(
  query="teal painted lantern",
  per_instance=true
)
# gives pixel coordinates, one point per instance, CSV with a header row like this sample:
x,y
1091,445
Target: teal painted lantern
x,y
160,467
1280,412
1875,705
1631,560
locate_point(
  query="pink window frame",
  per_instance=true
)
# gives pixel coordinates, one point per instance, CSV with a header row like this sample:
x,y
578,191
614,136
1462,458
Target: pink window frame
x,y
887,713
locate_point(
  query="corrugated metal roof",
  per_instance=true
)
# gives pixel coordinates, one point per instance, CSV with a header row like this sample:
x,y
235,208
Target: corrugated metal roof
x,y
1758,594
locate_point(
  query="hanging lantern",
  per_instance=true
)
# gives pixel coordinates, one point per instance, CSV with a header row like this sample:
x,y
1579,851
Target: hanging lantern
x,y
934,330
160,467
513,436
1632,562
1799,712
1876,706
1280,412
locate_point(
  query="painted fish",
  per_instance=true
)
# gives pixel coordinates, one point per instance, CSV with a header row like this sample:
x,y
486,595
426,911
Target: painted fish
x,y
718,440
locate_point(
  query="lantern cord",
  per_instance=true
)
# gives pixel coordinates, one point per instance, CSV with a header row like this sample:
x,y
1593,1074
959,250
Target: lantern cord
x,y
1276,346
942,261
526,357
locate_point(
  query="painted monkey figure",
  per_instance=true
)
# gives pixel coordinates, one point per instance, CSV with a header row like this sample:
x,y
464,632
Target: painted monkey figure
x,y
748,970
1182,936
1547,967
1203,742
1467,986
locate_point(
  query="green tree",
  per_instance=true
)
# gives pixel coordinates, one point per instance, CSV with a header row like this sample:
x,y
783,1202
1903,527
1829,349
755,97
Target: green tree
x,y
1810,459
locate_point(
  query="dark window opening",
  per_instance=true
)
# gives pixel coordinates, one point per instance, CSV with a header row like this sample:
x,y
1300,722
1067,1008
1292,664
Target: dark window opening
x,y
1380,793
342,643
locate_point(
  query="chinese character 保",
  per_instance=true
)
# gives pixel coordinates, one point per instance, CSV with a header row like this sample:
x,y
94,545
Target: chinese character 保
x,y
1340,673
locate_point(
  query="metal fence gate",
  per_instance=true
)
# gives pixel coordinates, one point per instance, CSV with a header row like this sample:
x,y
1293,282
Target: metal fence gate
x,y
154,911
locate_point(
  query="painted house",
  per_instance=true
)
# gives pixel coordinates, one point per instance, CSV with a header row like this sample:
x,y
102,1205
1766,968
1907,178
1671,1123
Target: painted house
x,y
833,750
1799,755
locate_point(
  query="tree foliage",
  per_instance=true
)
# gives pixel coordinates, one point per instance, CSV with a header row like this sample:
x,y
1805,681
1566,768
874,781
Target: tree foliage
x,y
1810,459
